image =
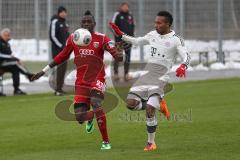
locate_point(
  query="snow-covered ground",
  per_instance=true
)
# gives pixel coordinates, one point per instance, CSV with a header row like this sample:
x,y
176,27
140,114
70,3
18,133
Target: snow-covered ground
x,y
25,49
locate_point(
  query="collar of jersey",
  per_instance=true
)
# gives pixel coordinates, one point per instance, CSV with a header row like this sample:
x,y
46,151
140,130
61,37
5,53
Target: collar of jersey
x,y
167,35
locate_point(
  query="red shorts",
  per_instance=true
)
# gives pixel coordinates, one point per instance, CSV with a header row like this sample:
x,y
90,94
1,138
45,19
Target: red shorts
x,y
82,92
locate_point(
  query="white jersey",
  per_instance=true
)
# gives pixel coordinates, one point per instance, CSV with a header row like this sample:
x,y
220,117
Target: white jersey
x,y
163,48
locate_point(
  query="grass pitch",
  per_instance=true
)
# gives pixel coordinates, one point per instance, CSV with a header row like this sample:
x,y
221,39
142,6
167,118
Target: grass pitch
x,y
204,125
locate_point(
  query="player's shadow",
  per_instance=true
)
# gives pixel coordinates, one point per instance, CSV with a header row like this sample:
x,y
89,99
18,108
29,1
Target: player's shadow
x,y
63,108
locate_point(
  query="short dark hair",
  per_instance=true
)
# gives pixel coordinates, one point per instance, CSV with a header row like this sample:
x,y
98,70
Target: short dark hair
x,y
61,9
88,13
167,15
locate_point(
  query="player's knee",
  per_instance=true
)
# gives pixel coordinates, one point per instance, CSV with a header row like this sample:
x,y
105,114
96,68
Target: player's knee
x,y
132,103
96,102
150,111
80,109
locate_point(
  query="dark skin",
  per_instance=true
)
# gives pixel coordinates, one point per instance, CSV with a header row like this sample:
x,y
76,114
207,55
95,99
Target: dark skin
x,y
162,25
88,23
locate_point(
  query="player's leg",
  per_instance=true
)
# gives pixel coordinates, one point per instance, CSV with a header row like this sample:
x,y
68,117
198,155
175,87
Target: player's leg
x,y
134,102
81,108
82,112
151,120
96,102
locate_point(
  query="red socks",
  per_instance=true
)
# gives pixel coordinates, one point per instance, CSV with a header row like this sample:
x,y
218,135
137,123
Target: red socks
x,y
102,124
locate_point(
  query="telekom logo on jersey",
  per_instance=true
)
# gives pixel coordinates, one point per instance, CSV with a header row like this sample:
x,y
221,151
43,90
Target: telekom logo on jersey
x,y
87,52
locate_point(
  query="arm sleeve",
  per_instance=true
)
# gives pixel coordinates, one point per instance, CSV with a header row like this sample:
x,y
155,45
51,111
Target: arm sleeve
x,y
66,52
109,46
182,52
54,28
136,41
5,56
114,19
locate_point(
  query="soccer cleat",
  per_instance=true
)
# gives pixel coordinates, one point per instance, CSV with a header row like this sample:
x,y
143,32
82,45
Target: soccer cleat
x,y
150,147
89,126
164,109
106,146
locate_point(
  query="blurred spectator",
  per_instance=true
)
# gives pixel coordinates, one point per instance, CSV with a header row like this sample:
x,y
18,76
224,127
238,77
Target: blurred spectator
x,y
58,36
124,20
9,63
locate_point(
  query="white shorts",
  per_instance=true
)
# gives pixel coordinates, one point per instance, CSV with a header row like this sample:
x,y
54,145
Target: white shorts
x,y
154,101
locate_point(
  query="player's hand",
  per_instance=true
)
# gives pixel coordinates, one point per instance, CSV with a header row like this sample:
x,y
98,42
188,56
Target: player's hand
x,y
37,76
115,29
119,47
181,71
118,57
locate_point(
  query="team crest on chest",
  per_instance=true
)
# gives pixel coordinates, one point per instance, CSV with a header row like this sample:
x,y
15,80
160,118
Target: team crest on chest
x,y
96,44
167,44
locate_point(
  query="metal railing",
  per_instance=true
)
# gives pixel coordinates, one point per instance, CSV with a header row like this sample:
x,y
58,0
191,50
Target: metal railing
x,y
193,19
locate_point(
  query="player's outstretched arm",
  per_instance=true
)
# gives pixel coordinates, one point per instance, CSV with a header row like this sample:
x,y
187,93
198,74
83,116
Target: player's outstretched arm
x,y
43,71
182,51
111,48
60,58
130,39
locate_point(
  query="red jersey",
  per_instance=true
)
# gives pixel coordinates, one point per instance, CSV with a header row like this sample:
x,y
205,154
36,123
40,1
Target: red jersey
x,y
88,59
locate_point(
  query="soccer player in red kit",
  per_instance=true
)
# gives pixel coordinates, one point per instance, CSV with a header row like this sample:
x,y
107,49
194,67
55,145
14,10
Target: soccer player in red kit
x,y
90,82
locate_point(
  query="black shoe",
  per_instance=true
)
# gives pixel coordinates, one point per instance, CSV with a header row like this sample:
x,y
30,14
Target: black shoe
x,y
19,92
2,95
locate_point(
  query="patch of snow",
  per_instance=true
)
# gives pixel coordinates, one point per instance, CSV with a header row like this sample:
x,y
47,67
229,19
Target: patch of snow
x,y
25,49
201,67
217,66
232,65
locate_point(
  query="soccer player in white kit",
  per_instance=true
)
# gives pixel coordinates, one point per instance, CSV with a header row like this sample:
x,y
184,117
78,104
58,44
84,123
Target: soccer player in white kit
x,y
148,91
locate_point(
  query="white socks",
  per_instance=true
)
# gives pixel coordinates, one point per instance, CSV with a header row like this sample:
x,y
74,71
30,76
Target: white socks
x,y
151,137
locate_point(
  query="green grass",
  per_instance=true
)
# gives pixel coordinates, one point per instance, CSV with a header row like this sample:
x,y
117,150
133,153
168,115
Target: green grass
x,y
30,130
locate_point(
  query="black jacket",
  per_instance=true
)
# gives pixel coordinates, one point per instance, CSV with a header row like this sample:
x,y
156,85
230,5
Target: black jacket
x,y
5,51
125,22
58,33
